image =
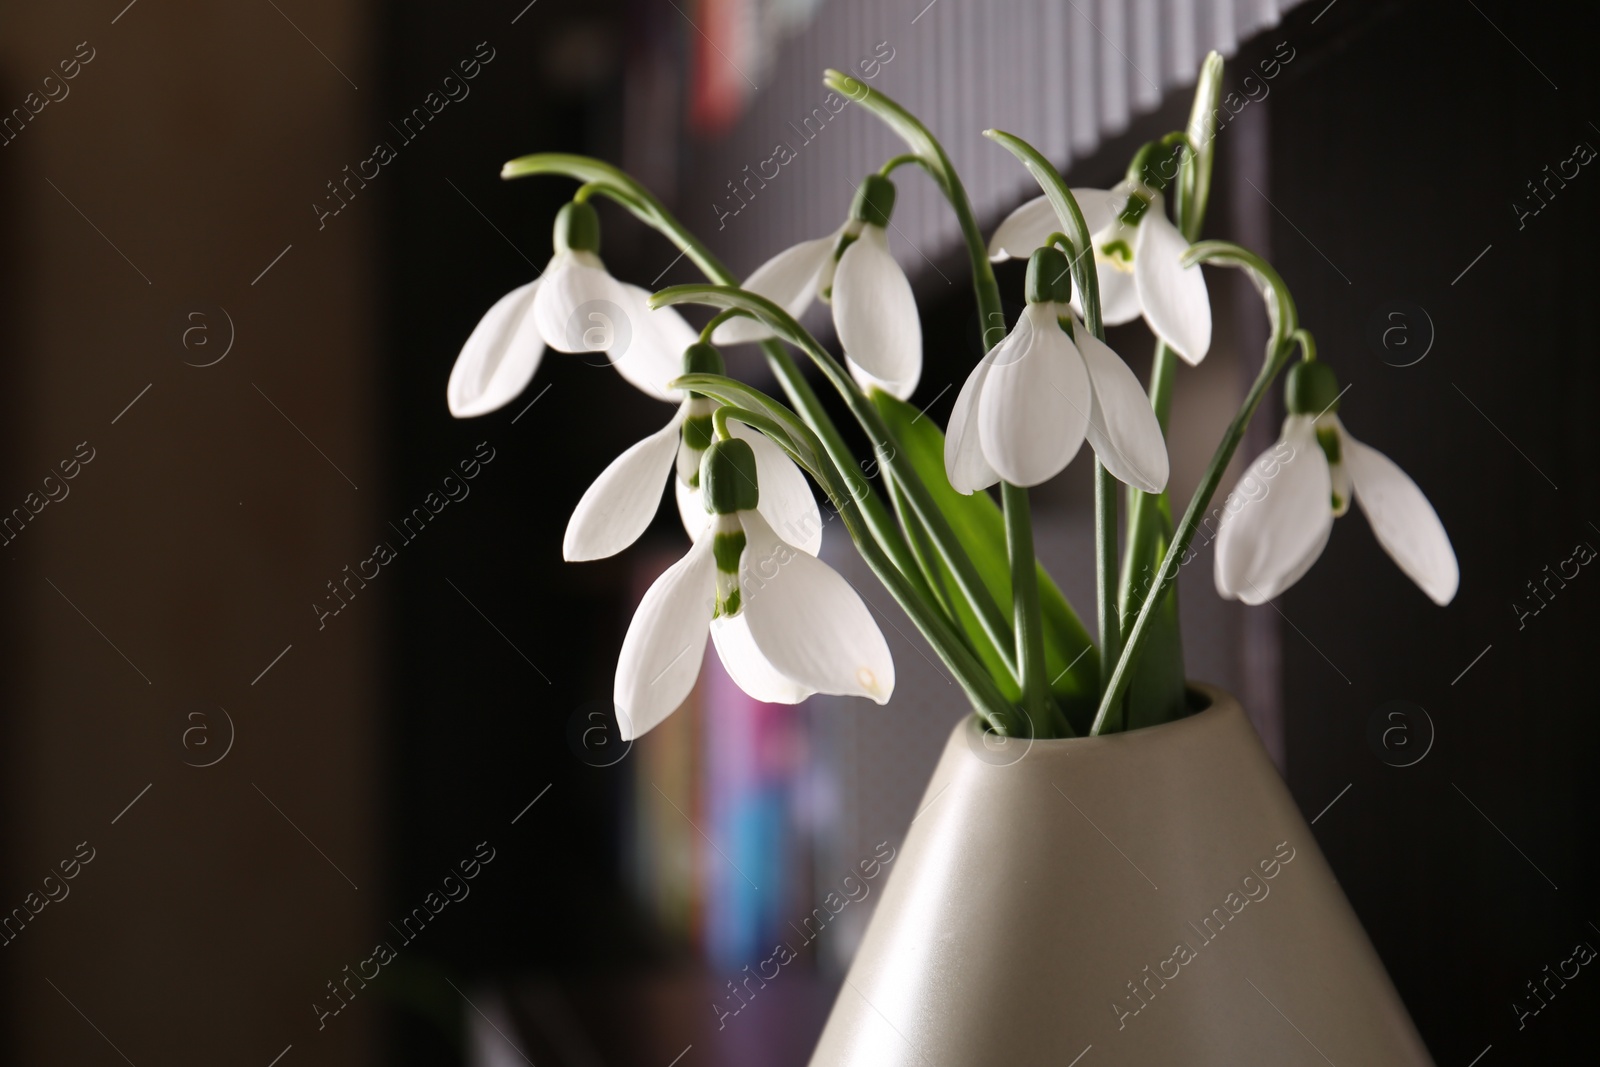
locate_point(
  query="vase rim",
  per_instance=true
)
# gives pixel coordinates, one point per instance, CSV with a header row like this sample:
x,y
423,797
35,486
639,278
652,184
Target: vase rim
x,y
1209,704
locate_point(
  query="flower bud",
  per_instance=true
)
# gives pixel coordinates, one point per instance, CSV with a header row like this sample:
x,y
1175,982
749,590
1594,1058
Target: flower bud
x,y
1049,277
577,228
728,477
1311,389
703,358
874,202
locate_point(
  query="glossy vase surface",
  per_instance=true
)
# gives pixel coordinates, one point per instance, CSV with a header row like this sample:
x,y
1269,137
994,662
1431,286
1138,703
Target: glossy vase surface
x,y
1140,898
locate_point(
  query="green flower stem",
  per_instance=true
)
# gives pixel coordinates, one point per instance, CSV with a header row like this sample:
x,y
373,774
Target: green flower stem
x,y
1143,508
1163,374
890,456
1281,313
872,509
929,153
1149,514
1105,567
1308,345
898,162
615,183
921,546
1087,280
1025,607
716,320
802,446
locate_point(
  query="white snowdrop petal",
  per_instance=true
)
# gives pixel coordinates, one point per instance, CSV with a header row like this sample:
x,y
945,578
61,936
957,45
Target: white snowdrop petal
x,y
749,667
1119,295
618,507
1028,227
691,508
499,358
1173,297
786,500
875,313
1279,512
1256,594
806,620
580,307
1402,519
964,463
788,279
1023,230
652,355
666,641
869,381
1035,404
1122,428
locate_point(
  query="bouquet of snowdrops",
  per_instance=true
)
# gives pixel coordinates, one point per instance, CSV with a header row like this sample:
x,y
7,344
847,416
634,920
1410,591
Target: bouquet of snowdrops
x,y
961,565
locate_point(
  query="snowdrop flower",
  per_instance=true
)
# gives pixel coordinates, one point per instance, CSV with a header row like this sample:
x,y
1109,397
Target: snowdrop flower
x,y
1269,542
618,507
1028,405
1136,253
574,306
874,312
784,623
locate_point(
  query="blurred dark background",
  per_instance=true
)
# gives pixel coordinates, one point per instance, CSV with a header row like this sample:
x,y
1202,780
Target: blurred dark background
x,y
288,813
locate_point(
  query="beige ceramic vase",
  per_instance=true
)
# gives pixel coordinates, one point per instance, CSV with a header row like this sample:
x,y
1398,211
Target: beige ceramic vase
x,y
1152,897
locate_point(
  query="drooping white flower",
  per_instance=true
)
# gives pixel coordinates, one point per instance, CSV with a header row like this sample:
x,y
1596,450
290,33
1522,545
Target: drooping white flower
x,y
1029,404
618,507
574,306
1279,519
785,624
1137,261
874,311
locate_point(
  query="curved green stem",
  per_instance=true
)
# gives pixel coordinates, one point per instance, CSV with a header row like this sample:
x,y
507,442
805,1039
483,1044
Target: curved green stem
x,y
808,452
1105,567
927,151
717,320
1086,278
1143,507
921,546
898,162
621,187
1285,326
1308,345
1149,515
891,457
1025,609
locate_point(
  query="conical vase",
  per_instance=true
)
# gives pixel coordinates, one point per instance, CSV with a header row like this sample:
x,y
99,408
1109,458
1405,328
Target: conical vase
x,y
1150,897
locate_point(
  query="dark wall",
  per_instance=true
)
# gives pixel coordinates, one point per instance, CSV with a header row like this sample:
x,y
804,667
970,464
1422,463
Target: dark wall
x,y
172,712
1401,142
495,643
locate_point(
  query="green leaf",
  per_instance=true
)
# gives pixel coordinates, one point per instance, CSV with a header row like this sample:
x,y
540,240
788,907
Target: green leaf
x,y
733,298
1281,311
1073,663
1158,691
902,122
1202,132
